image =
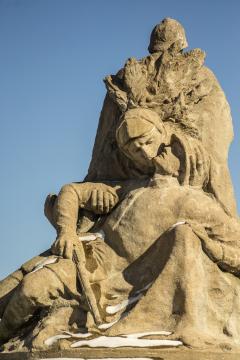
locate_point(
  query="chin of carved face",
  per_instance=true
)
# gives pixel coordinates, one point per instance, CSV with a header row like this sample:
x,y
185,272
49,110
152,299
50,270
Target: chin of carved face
x,y
143,149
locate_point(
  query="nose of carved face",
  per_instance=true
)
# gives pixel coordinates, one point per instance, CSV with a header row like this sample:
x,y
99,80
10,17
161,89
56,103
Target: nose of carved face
x,y
143,149
149,152
142,158
141,153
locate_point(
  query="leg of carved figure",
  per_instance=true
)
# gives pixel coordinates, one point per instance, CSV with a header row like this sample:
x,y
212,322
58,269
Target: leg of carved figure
x,y
223,247
37,290
7,287
193,327
218,231
187,245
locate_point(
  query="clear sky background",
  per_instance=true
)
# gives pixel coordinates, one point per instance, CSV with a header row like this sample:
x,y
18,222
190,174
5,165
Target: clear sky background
x,y
53,57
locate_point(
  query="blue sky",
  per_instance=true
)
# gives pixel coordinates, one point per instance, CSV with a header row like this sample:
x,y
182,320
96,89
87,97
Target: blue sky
x,y
53,57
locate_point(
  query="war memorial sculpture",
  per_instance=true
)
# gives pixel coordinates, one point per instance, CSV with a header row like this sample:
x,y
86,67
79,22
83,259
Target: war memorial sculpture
x,y
147,251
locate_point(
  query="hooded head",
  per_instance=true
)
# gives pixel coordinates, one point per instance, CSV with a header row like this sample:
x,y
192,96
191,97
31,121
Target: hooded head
x,y
140,136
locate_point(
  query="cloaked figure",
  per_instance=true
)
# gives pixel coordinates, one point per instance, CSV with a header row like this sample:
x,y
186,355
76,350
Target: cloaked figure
x,y
150,240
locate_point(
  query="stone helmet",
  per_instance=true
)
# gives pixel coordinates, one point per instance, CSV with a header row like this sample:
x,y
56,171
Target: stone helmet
x,y
168,34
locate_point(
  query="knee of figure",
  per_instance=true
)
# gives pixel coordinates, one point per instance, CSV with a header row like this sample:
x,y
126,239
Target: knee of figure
x,y
42,286
184,236
183,231
32,286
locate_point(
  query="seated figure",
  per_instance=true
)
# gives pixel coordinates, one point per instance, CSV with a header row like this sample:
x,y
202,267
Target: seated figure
x,y
150,240
132,254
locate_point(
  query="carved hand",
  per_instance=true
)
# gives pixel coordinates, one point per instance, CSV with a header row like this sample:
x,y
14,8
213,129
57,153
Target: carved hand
x,y
102,199
166,163
63,245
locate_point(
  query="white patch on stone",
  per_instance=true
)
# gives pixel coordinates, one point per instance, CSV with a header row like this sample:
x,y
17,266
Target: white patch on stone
x,y
149,333
42,263
177,224
66,335
130,340
78,335
101,234
107,325
50,341
144,288
89,237
113,309
92,236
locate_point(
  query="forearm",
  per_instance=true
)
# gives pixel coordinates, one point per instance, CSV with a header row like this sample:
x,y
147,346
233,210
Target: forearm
x,y
99,198
69,200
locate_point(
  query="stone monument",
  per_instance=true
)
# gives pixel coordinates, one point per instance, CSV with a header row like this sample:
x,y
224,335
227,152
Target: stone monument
x,y
147,252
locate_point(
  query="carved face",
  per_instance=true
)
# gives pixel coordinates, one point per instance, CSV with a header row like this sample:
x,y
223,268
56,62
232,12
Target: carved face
x,y
141,136
144,148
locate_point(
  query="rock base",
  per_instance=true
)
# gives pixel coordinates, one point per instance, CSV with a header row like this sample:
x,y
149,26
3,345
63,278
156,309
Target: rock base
x,y
123,354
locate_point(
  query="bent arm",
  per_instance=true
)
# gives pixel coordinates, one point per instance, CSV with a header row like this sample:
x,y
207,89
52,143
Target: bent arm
x,y
66,209
96,197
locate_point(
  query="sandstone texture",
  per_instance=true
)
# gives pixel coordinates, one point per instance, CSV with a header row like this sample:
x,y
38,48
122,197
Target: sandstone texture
x,y
147,253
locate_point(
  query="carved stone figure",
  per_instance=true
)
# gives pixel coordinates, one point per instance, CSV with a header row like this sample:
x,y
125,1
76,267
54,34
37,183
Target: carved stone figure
x,y
149,242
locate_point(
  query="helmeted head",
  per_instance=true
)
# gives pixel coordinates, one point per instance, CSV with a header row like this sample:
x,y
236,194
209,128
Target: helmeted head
x,y
168,34
140,135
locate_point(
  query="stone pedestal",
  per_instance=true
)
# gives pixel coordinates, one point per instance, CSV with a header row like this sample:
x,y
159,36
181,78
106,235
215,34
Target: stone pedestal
x,y
124,354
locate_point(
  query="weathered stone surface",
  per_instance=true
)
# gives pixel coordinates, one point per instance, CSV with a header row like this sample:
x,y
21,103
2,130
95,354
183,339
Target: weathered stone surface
x,y
123,354
148,246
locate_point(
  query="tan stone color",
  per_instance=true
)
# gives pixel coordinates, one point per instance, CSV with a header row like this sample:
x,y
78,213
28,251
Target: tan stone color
x,y
150,240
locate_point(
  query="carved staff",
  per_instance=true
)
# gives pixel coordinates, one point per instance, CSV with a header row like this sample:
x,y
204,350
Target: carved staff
x,y
80,261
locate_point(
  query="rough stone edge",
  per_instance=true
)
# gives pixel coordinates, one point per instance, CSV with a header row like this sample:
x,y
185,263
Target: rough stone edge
x,y
101,353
